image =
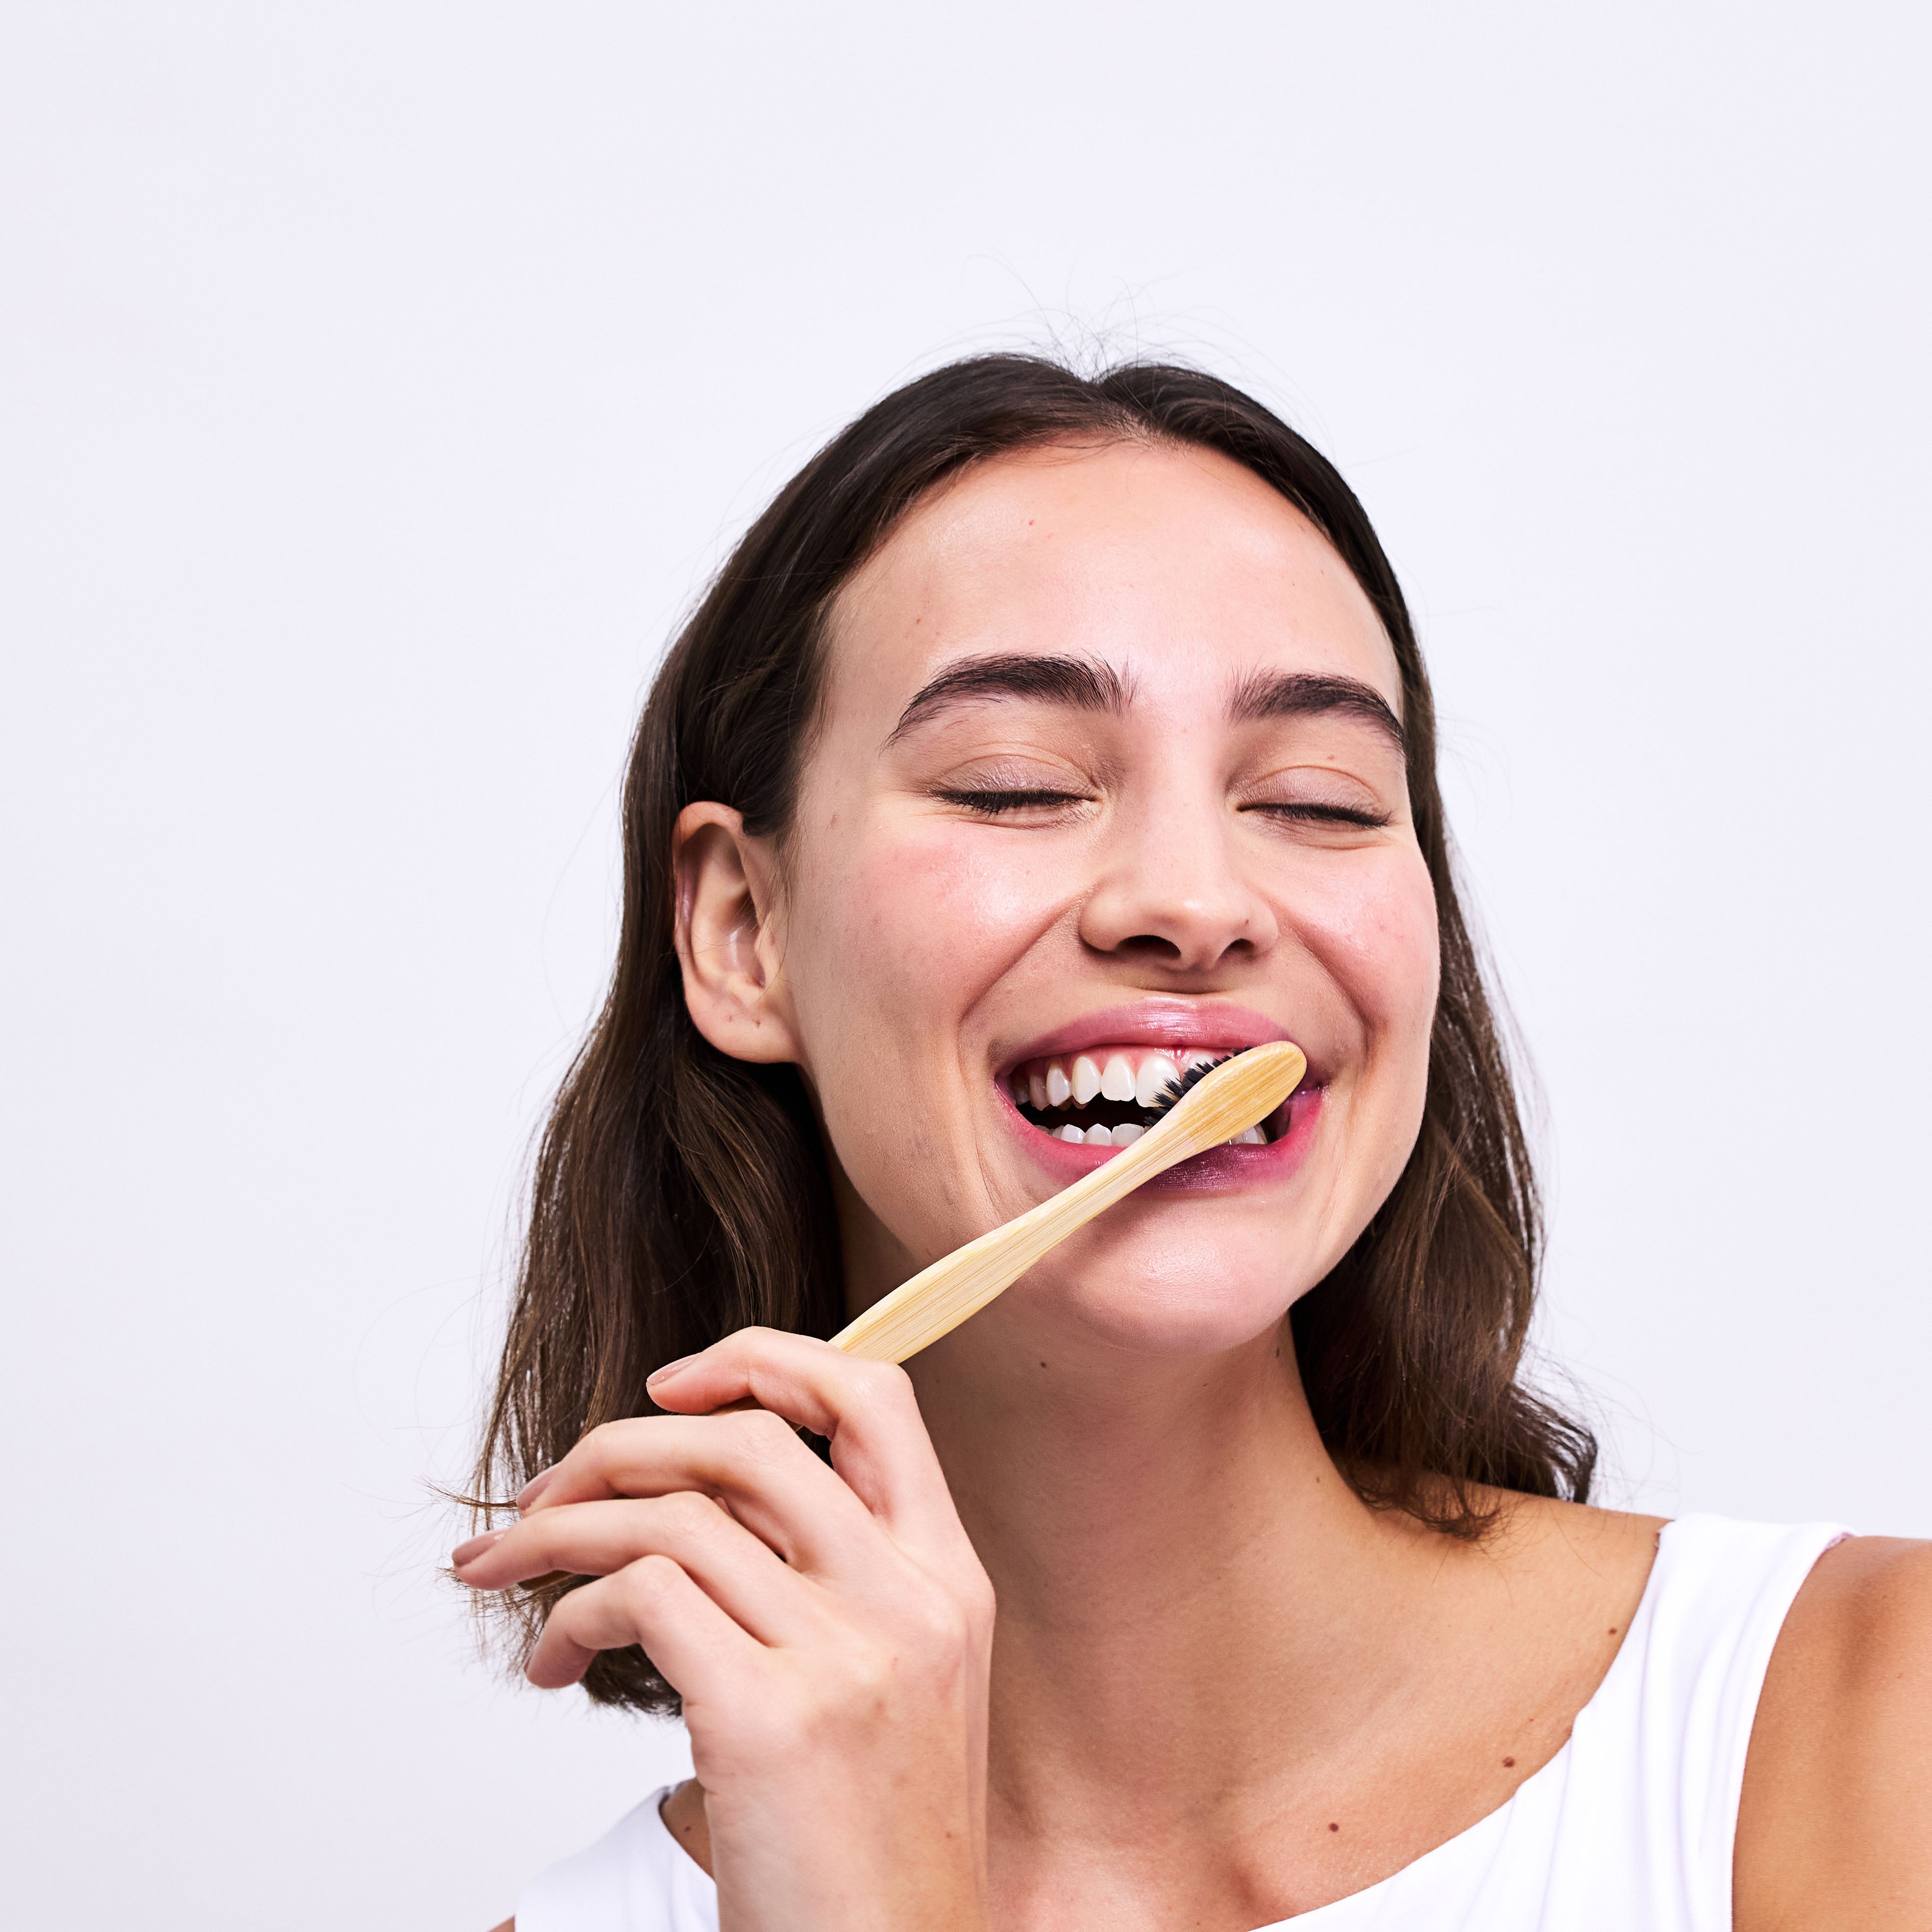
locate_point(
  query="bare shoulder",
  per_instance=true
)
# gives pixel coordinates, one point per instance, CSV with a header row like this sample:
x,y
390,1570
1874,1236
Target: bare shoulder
x,y
1547,1529
1551,1577
1586,1529
1575,1547
1838,1784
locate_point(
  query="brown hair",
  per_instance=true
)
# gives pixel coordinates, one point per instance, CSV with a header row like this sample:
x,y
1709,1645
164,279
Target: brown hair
x,y
680,1194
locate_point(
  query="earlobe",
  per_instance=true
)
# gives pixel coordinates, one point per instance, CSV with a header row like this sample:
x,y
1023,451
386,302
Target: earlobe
x,y
723,903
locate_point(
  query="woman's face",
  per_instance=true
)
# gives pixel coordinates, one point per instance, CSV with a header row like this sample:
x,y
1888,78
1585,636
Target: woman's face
x,y
1109,779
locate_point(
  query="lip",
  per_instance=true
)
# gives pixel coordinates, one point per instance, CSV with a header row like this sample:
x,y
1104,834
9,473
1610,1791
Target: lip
x,y
1217,1170
1175,1023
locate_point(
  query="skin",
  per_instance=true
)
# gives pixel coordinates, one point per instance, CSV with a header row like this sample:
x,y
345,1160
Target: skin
x,y
1083,1627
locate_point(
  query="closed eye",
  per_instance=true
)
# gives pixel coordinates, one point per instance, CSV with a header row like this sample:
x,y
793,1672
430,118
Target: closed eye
x,y
1326,814
991,804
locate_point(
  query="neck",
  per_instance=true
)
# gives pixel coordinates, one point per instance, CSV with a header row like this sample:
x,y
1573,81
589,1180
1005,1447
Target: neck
x,y
1185,1581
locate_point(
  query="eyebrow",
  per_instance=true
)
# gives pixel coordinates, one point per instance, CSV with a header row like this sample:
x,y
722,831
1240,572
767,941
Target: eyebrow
x,y
1084,685
1262,694
1078,682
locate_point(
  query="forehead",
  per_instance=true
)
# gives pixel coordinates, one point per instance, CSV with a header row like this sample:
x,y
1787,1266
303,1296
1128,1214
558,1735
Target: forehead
x,y
1175,563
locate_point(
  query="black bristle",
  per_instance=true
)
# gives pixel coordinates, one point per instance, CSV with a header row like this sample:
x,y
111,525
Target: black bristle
x,y
1171,1095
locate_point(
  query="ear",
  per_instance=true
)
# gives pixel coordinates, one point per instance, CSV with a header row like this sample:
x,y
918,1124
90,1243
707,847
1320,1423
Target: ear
x,y
727,936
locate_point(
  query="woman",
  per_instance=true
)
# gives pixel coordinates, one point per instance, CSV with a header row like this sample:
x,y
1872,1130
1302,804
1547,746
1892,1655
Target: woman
x,y
1045,736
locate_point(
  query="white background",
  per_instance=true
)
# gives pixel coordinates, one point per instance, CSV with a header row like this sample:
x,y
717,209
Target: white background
x,y
380,381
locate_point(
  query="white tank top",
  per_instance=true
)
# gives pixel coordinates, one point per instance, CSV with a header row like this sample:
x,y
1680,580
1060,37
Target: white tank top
x,y
1629,1825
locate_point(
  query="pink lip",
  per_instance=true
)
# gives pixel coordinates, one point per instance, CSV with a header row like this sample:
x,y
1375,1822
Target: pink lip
x,y
1176,1023
1160,1023
1220,1169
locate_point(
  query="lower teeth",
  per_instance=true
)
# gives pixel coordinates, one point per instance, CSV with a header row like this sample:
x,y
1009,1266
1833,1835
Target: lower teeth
x,y
1123,1135
1128,1132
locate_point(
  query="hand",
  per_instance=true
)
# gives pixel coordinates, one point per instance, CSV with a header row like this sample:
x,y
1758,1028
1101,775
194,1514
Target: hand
x,y
828,1630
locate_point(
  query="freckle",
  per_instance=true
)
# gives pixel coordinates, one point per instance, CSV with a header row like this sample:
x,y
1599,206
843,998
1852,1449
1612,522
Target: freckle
x,y
1334,1827
1509,1763
1612,1630
1042,1365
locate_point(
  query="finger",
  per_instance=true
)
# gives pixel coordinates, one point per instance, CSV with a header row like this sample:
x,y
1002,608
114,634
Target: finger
x,y
651,1602
743,1576
868,1409
753,1463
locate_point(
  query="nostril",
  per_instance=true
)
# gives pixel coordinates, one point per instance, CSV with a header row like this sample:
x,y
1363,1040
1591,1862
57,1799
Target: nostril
x,y
1151,947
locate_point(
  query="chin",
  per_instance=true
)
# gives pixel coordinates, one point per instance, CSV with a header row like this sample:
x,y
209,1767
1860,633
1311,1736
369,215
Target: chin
x,y
1168,1298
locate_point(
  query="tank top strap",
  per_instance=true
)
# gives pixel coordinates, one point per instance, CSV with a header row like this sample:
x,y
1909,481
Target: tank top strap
x,y
636,1878
1657,1756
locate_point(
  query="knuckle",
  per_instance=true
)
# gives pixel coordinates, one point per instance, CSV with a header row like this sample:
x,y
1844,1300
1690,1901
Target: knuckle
x,y
941,1623
687,1515
764,1436
649,1582
938,1627
871,1671
884,1384
602,1444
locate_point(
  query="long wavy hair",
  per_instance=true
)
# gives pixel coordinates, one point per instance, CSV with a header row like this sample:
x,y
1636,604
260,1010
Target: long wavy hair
x,y
678,1194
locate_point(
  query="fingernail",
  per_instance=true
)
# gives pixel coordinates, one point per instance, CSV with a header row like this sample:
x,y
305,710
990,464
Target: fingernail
x,y
669,1369
468,1552
534,1488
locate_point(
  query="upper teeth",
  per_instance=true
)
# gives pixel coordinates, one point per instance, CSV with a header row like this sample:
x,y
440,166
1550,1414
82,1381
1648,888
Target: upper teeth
x,y
1128,1076
1137,1075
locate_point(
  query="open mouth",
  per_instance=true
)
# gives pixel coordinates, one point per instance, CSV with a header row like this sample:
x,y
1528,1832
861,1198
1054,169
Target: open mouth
x,y
1110,1095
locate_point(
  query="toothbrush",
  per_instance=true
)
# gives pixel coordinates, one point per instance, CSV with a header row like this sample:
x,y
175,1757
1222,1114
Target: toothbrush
x,y
1213,1104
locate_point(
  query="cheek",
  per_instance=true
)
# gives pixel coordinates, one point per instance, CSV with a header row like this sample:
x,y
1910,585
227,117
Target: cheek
x,y
924,921
1374,929
941,904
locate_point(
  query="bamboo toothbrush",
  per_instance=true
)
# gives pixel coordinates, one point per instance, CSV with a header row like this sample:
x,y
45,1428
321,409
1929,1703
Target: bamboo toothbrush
x,y
1212,1106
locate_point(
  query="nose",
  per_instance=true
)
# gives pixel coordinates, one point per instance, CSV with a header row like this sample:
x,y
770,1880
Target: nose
x,y
1172,893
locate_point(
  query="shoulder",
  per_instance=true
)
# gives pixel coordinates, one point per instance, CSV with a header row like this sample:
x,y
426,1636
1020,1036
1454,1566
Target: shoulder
x,y
1838,1782
1586,1531
1570,1556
